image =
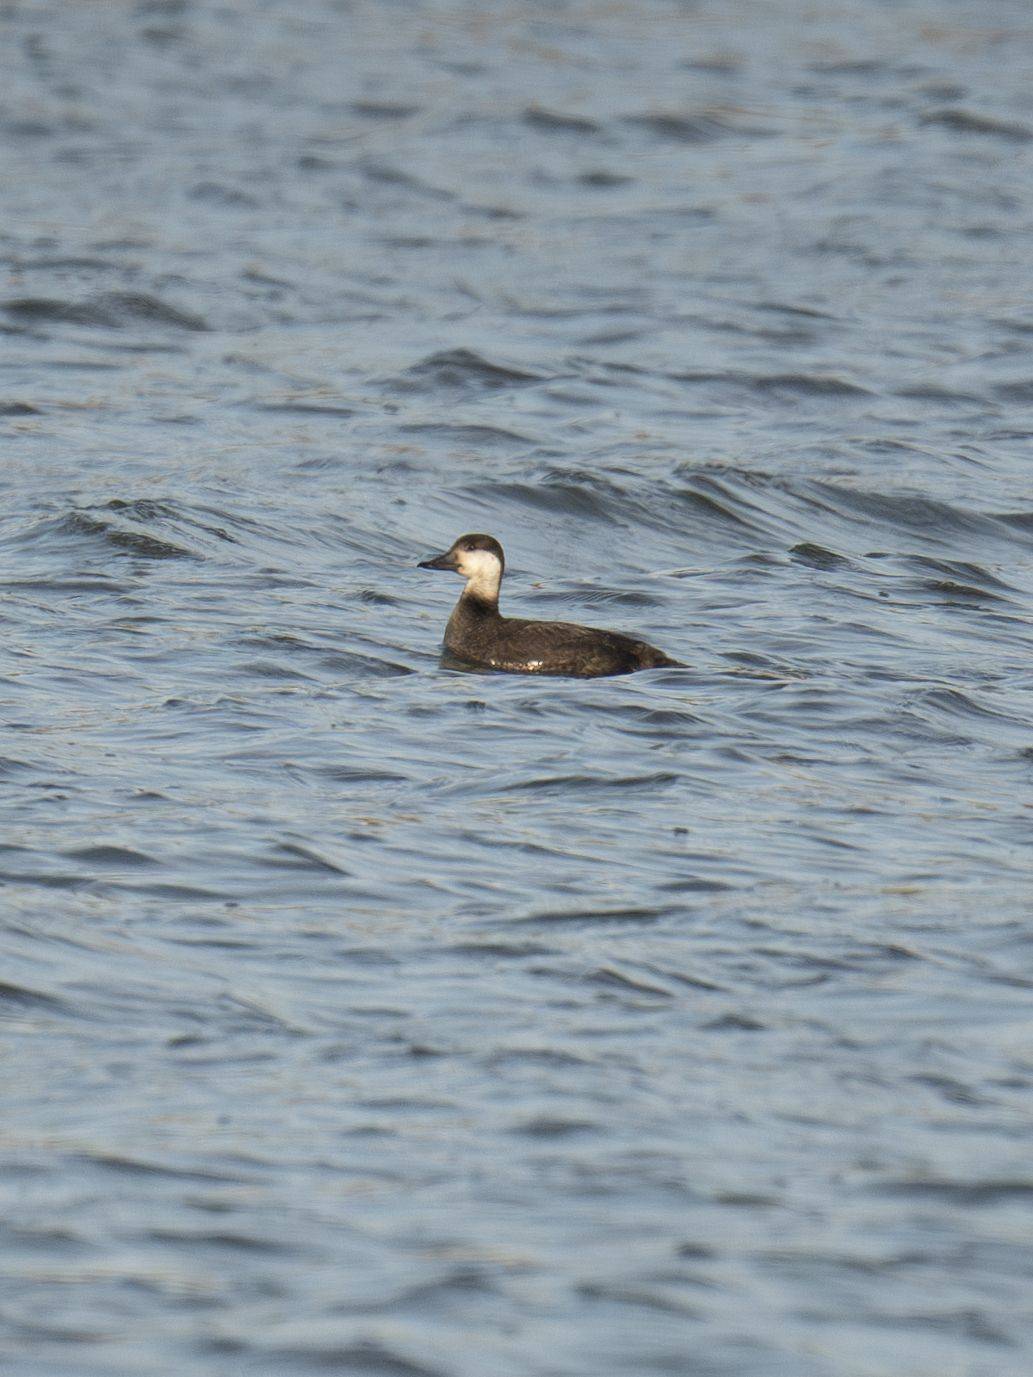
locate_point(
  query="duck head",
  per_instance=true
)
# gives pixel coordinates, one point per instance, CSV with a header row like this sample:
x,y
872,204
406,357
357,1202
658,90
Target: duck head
x,y
479,559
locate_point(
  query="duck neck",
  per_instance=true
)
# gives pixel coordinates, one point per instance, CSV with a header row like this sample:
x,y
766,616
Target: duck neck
x,y
483,588
475,603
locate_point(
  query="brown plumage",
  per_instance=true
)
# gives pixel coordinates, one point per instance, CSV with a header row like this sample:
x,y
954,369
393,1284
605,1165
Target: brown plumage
x,y
478,634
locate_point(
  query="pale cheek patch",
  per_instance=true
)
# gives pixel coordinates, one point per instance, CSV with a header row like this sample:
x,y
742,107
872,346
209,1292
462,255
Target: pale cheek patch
x,y
483,570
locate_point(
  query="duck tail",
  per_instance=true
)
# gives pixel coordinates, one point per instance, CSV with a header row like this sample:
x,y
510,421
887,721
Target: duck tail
x,y
656,659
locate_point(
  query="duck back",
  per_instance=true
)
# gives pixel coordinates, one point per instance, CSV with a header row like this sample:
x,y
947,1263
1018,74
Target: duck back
x,y
478,634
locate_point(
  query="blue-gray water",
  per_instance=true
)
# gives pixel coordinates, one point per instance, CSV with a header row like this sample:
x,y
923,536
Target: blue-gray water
x,y
359,1016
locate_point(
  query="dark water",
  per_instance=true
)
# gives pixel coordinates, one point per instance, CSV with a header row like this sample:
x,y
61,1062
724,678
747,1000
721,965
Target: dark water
x,y
363,1017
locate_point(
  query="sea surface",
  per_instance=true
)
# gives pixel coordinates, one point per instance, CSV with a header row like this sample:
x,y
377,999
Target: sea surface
x,y
361,1016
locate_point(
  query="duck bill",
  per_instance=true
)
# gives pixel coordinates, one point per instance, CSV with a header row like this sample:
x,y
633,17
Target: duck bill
x,y
445,561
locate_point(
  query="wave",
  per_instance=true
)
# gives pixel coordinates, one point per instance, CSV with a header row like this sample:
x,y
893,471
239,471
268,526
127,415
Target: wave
x,y
110,311
960,121
556,122
705,126
718,511
121,539
463,371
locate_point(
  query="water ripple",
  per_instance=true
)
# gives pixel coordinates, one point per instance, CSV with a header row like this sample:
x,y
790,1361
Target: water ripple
x,y
364,1015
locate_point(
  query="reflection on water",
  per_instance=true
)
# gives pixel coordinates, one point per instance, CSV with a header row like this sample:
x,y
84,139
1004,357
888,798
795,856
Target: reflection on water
x,y
363,1016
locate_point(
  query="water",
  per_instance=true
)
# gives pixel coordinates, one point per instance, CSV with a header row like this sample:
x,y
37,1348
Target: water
x,y
365,1017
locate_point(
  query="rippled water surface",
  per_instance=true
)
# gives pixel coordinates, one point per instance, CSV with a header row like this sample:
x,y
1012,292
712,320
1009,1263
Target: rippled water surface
x,y
363,1016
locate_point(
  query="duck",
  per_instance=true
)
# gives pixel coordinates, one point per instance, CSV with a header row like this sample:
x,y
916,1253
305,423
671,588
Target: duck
x,y
481,637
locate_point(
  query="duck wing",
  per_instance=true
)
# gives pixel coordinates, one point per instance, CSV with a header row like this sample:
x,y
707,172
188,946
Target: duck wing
x,y
567,648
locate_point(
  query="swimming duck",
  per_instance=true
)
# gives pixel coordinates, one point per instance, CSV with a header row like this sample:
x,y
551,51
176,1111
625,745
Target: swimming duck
x,y
480,635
